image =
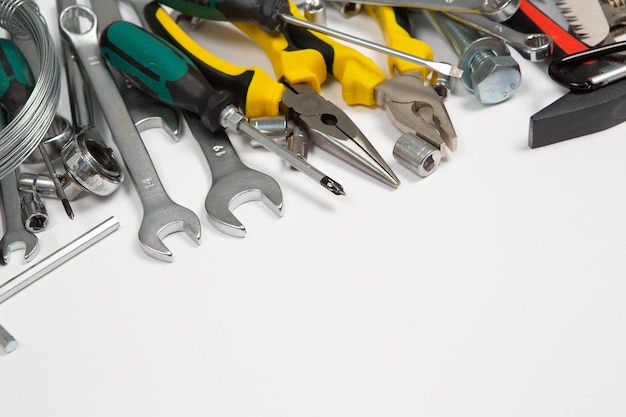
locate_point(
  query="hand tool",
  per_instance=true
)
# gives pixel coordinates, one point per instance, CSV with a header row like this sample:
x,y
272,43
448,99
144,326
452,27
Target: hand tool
x,y
533,46
23,134
364,83
57,258
326,125
274,15
59,132
8,342
162,70
147,112
490,72
34,212
16,236
586,20
499,10
161,215
18,84
423,108
233,183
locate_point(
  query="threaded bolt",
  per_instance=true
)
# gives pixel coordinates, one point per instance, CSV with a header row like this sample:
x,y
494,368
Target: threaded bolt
x,y
489,70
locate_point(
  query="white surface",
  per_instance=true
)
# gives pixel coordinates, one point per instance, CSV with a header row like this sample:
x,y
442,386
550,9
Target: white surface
x,y
494,287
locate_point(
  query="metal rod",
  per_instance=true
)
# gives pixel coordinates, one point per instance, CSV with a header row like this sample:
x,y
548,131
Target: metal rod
x,y
52,261
8,342
440,67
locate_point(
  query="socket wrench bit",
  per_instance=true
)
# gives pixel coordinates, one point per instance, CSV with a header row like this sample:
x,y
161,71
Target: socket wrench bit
x,y
416,154
34,213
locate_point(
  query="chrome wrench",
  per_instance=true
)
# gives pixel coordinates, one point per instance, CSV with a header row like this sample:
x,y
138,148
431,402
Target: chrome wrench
x,y
233,183
161,215
147,112
534,47
16,235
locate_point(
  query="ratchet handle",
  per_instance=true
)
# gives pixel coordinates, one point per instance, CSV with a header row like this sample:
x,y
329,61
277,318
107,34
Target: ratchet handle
x,y
358,74
16,78
266,13
163,71
397,37
257,93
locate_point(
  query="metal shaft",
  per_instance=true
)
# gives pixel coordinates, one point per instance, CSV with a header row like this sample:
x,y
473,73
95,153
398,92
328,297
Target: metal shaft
x,y
233,120
441,67
52,261
8,342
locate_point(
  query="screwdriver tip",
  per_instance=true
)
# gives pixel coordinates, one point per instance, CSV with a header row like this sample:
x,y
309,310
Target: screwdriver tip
x,y
68,208
332,186
456,72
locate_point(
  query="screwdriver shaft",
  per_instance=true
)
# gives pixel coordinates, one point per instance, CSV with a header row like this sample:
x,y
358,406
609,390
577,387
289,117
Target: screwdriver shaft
x,y
243,126
440,67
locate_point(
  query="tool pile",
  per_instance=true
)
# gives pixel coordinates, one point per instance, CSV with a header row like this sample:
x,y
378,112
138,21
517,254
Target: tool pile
x,y
154,74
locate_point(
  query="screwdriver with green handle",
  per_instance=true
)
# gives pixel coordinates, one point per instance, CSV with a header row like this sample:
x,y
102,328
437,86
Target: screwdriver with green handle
x,y
16,85
163,71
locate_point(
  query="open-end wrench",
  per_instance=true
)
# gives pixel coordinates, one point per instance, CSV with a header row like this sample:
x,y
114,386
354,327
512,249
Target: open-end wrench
x,y
233,183
16,236
146,111
161,215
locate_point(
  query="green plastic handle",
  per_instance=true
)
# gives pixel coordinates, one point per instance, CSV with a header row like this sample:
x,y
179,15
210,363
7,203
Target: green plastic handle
x,y
163,71
16,78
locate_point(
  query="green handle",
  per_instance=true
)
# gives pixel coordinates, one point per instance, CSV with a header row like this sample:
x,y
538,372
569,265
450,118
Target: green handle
x,y
265,13
16,78
163,71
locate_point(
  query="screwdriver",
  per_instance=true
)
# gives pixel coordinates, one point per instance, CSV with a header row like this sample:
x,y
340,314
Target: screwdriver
x,y
274,15
163,71
16,85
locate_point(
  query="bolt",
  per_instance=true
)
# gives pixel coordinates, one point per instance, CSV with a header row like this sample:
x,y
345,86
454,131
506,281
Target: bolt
x,y
488,68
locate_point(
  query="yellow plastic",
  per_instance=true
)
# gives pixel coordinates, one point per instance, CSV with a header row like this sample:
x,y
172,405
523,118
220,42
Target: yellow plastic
x,y
263,94
398,38
358,74
295,66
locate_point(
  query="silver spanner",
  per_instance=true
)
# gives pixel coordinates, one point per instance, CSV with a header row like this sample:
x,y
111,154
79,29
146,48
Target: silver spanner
x,y
161,216
498,10
147,112
233,183
532,46
16,236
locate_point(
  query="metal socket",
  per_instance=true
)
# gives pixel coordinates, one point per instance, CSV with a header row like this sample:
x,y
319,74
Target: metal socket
x,y
34,213
416,154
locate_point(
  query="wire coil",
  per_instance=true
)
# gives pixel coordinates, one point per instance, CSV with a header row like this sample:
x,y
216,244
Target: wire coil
x,y
21,136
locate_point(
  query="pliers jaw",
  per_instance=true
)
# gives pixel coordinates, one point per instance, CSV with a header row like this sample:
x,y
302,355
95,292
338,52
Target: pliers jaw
x,y
329,128
417,108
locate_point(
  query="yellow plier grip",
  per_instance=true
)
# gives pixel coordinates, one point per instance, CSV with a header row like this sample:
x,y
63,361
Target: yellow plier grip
x,y
398,38
291,64
259,94
357,73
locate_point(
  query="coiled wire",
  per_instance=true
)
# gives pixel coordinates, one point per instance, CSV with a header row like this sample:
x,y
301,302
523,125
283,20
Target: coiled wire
x,y
21,136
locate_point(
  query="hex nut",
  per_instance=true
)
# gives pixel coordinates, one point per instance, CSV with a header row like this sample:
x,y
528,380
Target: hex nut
x,y
495,79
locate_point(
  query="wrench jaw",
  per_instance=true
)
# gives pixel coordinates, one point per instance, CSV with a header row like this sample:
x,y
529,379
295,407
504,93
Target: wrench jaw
x,y
148,113
223,198
26,242
159,223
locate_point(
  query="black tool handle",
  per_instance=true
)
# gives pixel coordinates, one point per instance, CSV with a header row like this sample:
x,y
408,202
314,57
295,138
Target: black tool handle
x,y
163,71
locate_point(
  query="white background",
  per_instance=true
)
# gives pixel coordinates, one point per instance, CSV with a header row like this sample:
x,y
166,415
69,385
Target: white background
x,y
494,287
